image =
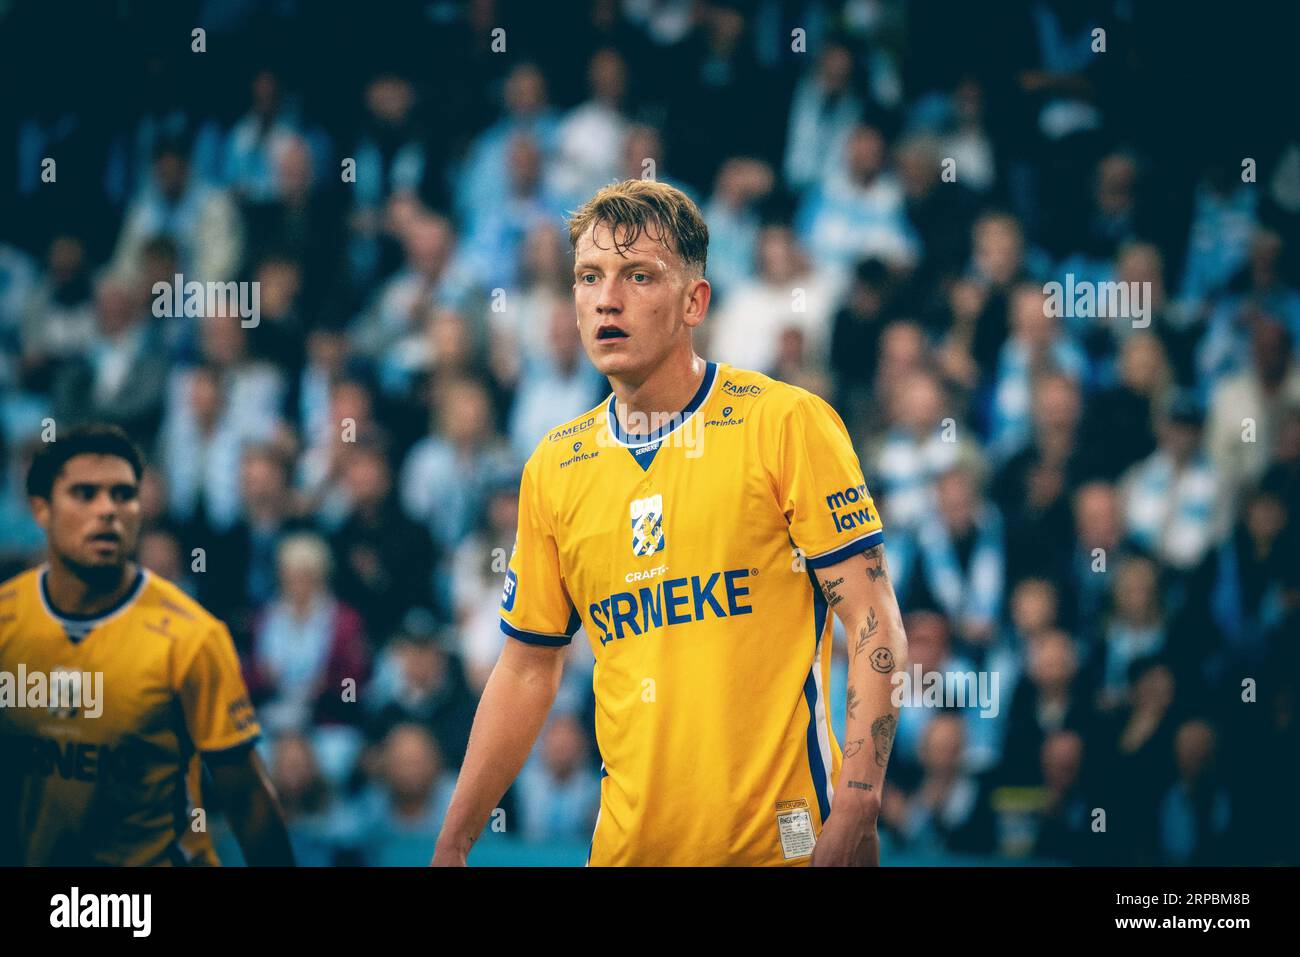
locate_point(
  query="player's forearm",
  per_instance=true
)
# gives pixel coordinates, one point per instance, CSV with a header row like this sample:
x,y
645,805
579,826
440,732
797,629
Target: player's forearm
x,y
861,594
518,695
245,791
877,650
262,835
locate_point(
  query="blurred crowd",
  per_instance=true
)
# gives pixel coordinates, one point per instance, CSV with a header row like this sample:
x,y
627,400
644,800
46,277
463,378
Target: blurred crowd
x,y
1100,512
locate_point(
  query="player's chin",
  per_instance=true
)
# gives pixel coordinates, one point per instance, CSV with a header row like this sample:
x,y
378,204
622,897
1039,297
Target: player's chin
x,y
96,568
613,363
100,555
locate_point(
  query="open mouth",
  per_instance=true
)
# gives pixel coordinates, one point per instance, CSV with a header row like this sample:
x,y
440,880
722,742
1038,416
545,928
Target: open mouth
x,y
107,538
610,332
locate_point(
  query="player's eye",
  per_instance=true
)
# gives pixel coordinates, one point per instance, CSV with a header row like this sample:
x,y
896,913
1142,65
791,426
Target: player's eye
x,y
587,278
639,277
124,493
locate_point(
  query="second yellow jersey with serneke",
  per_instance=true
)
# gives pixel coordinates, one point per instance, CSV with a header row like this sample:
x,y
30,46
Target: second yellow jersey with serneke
x,y
688,556
115,781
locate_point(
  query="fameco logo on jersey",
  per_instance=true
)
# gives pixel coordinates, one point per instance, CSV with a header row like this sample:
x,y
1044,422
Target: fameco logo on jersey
x,y
847,518
569,430
648,525
731,388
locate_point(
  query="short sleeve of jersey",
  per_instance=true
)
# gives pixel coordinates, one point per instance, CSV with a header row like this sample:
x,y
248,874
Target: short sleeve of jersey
x,y
820,485
218,713
535,606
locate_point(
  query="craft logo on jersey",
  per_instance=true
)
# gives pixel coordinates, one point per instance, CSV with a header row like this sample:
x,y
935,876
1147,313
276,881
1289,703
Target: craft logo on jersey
x,y
648,525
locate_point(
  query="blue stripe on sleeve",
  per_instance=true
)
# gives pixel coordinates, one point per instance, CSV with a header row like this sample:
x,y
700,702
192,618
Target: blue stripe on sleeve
x,y
870,540
535,638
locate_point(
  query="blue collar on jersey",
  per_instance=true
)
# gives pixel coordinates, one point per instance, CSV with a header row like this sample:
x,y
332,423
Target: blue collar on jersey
x,y
643,448
76,627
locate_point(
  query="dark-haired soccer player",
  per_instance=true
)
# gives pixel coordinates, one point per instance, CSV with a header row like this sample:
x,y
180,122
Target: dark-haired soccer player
x,y
702,524
116,688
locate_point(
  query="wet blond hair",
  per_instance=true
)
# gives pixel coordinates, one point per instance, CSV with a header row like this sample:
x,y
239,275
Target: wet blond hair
x,y
635,207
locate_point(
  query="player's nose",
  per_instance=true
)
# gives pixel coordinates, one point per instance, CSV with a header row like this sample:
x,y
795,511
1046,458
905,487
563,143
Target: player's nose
x,y
608,300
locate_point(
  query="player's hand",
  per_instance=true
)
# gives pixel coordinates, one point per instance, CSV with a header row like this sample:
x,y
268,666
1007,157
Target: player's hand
x,y
848,840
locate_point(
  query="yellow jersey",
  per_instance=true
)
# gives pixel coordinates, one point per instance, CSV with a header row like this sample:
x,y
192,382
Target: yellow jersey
x,y
687,554
103,720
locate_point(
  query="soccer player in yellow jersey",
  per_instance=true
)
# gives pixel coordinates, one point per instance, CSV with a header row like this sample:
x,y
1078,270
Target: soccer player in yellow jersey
x,y
701,524
117,689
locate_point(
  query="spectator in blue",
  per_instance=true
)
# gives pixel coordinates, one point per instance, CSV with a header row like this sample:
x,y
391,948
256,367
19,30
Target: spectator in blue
x,y
1038,344
555,387
1196,810
402,812
948,811
484,175
391,157
446,474
420,680
315,818
955,561
202,221
122,376
495,233
1174,500
1223,226
859,210
589,138
432,275
734,220
823,112
559,790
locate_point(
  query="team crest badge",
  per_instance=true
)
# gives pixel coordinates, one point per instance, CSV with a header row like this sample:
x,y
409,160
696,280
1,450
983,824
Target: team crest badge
x,y
648,525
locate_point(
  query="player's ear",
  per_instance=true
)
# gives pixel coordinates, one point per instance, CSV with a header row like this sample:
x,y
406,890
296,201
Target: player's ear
x,y
698,295
40,510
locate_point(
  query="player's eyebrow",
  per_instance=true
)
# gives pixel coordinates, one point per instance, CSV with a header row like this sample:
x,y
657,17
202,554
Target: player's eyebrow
x,y
94,487
84,489
630,264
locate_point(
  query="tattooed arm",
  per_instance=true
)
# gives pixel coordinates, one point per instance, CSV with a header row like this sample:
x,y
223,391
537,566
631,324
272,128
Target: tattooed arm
x,y
858,589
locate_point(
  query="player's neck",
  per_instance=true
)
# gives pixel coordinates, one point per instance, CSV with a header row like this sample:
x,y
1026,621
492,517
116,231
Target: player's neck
x,y
662,394
72,594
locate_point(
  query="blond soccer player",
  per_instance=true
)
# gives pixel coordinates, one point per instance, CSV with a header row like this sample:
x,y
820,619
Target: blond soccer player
x,y
702,524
